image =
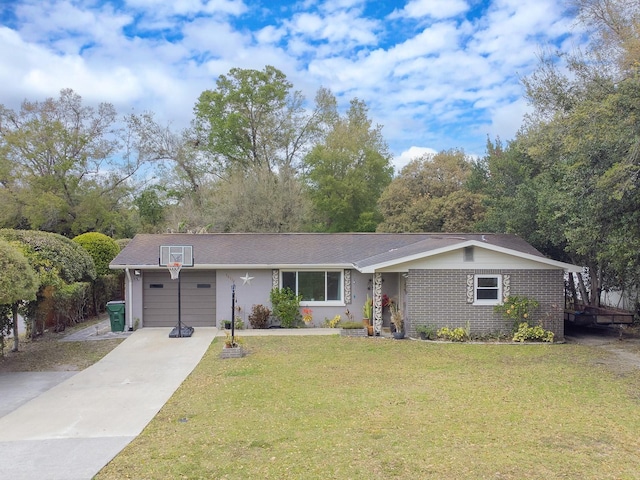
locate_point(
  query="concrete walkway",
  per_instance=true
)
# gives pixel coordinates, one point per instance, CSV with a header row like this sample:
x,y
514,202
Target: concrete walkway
x,y
72,430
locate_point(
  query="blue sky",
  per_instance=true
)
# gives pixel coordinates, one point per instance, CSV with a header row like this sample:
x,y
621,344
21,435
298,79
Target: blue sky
x,y
437,74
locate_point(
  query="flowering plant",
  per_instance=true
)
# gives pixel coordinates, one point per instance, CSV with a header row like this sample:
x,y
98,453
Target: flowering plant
x,y
307,315
518,309
333,323
386,301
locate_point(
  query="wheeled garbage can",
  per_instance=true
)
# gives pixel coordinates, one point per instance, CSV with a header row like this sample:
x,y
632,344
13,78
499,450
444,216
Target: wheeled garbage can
x,y
116,315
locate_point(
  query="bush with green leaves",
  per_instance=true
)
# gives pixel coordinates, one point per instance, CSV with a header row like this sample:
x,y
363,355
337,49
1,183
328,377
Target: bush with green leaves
x,y
259,316
70,303
518,309
429,331
72,262
57,261
333,322
457,334
526,333
351,325
286,307
105,289
102,249
18,283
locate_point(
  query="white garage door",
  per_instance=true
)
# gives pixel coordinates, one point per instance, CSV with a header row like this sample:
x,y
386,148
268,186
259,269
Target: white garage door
x,y
198,299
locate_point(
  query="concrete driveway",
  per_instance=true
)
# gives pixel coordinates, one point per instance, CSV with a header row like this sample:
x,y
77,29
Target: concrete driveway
x,y
72,430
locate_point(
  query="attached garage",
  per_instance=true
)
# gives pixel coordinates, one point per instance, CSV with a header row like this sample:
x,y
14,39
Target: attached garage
x,y
198,304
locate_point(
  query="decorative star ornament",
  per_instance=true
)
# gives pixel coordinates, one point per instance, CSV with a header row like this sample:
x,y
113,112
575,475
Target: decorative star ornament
x,y
246,280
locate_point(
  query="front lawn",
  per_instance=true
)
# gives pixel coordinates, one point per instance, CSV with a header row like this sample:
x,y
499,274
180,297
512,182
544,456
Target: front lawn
x,y
345,408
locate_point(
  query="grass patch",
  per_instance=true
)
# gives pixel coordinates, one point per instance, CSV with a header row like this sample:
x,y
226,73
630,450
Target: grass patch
x,y
48,353
343,408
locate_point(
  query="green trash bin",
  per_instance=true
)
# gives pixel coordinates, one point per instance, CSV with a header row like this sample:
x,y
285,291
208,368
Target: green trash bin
x,y
116,315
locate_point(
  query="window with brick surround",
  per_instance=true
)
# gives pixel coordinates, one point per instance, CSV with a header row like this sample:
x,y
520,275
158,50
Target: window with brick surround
x,y
487,289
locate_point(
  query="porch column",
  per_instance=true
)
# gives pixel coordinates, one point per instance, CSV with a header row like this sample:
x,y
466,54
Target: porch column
x,y
377,303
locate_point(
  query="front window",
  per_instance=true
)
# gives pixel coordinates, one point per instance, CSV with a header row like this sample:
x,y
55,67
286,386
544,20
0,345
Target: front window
x,y
315,286
488,289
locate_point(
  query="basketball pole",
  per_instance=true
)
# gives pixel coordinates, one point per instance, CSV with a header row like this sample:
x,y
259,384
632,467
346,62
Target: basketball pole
x,y
179,309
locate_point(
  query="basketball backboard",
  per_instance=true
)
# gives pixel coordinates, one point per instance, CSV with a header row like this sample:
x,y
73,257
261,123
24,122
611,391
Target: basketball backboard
x,y
170,254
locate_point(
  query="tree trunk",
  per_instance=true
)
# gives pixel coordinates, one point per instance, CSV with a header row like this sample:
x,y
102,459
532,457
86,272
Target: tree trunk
x,y
14,312
583,290
572,290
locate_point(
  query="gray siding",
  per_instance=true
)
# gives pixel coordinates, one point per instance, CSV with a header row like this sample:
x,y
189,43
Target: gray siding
x,y
438,298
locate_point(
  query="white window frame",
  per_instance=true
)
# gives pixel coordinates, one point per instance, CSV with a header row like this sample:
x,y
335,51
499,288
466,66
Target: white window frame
x,y
320,303
484,301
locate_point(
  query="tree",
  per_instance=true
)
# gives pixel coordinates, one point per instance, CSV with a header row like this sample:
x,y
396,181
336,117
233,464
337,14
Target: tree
x,y
150,208
18,283
347,172
253,120
573,186
64,166
261,201
57,262
430,195
615,31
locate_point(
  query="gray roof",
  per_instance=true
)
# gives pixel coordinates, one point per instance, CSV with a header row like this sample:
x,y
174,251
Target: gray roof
x,y
219,250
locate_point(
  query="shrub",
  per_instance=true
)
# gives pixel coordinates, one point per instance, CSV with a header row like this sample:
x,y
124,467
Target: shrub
x,y
334,322
105,289
351,325
525,333
518,309
72,262
70,304
286,306
457,334
231,343
102,249
259,316
429,331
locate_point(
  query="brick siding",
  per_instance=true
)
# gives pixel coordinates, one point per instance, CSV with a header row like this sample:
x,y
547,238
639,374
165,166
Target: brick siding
x,y
439,298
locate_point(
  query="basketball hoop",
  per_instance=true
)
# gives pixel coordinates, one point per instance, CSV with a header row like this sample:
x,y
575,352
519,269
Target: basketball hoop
x,y
174,269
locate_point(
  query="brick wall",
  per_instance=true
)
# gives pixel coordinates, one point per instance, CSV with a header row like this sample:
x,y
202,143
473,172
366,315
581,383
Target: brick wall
x,y
439,298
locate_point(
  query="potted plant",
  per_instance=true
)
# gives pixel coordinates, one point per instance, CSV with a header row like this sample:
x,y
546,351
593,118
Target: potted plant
x,y
307,316
367,314
397,321
367,311
426,332
352,329
232,347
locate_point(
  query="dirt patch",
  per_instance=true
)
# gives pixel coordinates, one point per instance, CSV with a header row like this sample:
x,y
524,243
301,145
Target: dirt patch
x,y
622,343
50,353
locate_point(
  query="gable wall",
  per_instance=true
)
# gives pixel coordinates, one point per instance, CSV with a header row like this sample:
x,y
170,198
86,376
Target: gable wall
x,y
439,298
482,258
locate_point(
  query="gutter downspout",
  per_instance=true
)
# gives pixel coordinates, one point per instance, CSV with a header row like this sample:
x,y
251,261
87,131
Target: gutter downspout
x,y
128,306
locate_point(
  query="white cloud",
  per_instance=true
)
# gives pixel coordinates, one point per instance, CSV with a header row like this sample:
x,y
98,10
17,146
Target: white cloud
x,y
269,34
428,74
411,154
437,9
189,7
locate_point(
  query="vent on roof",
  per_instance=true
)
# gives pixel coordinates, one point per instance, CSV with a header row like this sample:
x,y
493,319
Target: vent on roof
x,y
468,254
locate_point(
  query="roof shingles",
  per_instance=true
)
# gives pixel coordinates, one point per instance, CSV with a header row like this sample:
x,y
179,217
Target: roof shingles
x,y
232,249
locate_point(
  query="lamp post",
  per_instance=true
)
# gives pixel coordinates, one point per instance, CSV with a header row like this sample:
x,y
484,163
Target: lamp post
x,y
233,311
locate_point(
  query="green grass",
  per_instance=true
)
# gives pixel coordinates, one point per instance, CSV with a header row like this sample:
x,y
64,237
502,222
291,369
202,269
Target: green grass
x,y
48,353
345,408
